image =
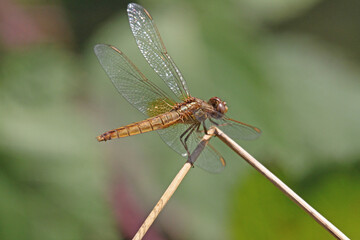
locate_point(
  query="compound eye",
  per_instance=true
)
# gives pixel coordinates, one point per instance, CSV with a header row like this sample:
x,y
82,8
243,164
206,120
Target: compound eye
x,y
222,108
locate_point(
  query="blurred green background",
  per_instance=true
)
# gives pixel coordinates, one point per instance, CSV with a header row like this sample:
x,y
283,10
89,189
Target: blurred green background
x,y
288,67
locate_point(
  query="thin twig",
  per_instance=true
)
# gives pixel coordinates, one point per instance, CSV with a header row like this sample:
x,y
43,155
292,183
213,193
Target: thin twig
x,y
282,186
253,162
173,186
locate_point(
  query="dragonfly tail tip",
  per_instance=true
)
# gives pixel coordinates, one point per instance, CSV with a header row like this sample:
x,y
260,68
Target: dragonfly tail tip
x,y
100,138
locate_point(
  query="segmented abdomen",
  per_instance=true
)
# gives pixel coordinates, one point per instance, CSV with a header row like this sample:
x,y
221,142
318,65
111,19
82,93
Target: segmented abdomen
x,y
147,125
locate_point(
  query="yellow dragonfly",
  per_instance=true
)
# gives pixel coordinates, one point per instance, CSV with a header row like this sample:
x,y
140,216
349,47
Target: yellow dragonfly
x,y
180,120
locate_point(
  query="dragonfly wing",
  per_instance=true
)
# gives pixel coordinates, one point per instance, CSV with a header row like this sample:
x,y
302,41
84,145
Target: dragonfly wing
x,y
238,130
209,159
152,47
131,83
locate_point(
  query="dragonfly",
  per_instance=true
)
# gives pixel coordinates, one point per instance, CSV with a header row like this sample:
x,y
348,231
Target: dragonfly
x,y
180,119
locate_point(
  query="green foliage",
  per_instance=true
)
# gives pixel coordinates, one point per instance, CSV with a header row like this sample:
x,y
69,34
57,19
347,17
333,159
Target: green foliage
x,y
302,91
257,210
52,184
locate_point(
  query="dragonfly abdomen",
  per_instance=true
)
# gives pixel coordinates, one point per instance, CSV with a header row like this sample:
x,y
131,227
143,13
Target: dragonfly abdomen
x,y
147,125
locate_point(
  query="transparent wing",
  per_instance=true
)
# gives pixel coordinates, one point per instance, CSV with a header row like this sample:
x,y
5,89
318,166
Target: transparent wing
x,y
131,83
151,46
238,130
209,159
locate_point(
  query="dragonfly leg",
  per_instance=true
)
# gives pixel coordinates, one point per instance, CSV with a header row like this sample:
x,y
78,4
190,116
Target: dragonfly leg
x,y
205,129
187,134
187,137
198,128
182,136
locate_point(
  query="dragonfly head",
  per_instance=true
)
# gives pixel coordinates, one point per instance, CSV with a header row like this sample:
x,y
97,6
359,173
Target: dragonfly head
x,y
218,104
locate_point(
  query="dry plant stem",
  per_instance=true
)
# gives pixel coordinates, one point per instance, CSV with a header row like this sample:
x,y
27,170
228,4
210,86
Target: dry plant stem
x,y
279,184
162,202
172,187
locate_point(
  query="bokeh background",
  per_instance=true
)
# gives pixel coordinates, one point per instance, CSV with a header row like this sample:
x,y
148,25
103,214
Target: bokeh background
x,y
289,67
